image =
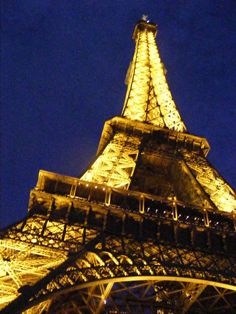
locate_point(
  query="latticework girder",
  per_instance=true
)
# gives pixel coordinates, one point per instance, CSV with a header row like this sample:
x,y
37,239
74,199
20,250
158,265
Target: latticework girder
x,y
22,265
115,166
149,228
148,97
149,297
219,191
122,259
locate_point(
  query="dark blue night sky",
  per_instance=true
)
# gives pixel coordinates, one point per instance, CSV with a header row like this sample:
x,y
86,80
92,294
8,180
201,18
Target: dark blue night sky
x,y
63,70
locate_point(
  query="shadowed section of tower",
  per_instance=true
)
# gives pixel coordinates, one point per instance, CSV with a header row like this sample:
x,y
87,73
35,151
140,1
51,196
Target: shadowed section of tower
x,y
151,135
148,98
149,228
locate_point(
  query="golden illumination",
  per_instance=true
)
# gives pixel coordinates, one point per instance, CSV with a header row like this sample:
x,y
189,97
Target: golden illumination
x,y
148,98
22,264
116,164
150,209
219,191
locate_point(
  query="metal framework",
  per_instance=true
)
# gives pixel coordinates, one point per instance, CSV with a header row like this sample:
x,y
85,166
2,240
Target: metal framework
x,y
115,166
148,228
148,97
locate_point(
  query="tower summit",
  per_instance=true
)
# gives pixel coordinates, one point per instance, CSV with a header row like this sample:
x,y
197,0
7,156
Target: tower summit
x,y
150,109
148,98
148,228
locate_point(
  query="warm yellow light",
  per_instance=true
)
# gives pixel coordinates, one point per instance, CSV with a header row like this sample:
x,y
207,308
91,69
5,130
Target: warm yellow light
x,y
219,191
115,166
148,98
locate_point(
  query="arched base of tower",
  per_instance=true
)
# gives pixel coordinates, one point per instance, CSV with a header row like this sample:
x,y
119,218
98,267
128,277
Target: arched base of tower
x,y
146,296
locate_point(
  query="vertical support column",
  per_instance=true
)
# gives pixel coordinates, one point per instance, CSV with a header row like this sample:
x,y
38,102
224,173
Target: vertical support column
x,y
108,197
206,218
174,209
142,204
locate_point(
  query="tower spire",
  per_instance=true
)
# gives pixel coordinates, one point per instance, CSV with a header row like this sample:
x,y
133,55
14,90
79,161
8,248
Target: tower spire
x,y
148,98
150,219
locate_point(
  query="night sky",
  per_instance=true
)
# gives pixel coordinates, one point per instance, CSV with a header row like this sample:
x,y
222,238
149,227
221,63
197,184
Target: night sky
x,y
63,70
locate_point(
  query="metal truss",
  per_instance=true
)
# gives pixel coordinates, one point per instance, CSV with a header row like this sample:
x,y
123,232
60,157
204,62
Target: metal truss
x,y
148,97
96,297
41,308
108,243
116,164
108,259
164,297
156,241
22,265
219,191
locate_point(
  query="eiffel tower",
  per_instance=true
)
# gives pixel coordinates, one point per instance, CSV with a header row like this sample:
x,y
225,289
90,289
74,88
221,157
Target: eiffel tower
x,y
148,228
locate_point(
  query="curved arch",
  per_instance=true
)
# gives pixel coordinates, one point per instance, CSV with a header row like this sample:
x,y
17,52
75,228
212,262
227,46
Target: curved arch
x,y
97,258
111,256
159,262
133,266
82,262
136,278
124,258
158,278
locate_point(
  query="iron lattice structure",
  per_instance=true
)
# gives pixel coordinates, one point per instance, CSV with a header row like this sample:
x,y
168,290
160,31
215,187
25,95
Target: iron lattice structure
x,y
148,228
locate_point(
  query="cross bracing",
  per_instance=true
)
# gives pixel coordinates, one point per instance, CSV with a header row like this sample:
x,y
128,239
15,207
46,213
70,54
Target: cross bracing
x,y
148,97
154,247
149,227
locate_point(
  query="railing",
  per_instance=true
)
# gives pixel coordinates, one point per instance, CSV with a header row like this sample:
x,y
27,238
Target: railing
x,y
150,205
